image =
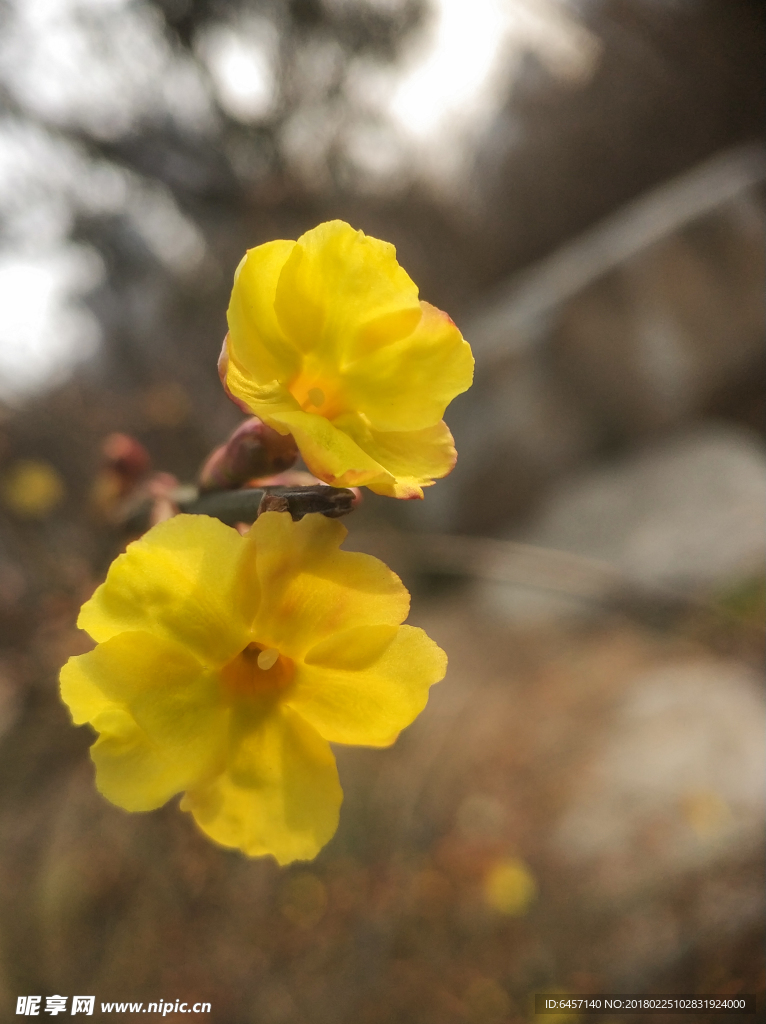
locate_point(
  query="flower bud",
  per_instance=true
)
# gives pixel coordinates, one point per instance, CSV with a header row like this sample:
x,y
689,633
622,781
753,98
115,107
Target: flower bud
x,y
253,451
127,459
126,464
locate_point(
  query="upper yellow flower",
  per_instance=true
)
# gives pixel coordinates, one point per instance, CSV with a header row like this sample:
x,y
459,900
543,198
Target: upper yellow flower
x,y
226,665
328,342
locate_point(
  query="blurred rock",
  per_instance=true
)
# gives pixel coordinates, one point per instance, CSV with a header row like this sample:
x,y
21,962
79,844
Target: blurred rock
x,y
648,320
672,802
677,782
686,513
652,342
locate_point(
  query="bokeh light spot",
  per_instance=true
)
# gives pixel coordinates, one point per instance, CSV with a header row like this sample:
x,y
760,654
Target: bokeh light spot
x,y
510,887
706,813
31,489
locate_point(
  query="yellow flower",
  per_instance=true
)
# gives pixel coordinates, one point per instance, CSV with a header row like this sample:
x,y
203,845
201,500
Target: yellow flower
x,y
32,489
328,342
226,665
510,887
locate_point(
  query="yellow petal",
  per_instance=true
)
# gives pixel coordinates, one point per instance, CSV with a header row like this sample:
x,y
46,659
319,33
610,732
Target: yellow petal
x,y
261,399
329,453
342,292
130,771
413,459
348,453
311,589
81,693
162,722
408,385
256,340
180,581
281,795
365,685
175,699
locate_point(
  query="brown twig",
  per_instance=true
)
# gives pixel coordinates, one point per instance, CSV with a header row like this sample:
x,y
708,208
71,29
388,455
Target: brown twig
x,y
244,506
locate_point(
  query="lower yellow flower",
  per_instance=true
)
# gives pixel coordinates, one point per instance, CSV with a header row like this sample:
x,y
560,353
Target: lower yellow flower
x,y
226,665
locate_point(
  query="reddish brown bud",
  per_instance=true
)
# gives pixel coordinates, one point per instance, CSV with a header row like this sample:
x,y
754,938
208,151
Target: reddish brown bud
x,y
127,459
126,466
253,451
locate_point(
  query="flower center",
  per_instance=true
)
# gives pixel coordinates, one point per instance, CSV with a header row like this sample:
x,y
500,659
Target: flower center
x,y
315,391
258,671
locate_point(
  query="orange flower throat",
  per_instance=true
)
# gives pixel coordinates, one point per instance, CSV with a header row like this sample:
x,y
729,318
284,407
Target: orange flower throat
x,y
258,671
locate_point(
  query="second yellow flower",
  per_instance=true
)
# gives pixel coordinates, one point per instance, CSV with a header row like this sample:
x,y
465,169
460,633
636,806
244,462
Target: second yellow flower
x,y
329,342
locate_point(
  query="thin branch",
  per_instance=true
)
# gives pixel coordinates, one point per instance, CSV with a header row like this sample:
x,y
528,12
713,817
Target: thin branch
x,y
244,506
511,318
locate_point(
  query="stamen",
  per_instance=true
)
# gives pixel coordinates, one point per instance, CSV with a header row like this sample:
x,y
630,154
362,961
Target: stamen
x,y
316,397
267,659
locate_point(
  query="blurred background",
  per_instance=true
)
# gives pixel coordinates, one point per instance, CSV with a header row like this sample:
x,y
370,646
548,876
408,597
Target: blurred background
x,y
581,186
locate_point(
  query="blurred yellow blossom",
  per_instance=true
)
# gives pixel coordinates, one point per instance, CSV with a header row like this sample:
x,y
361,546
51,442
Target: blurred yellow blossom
x,y
227,664
510,887
32,488
706,813
329,342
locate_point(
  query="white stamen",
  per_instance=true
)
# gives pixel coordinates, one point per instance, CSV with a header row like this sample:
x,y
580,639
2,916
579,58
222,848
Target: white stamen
x,y
267,659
